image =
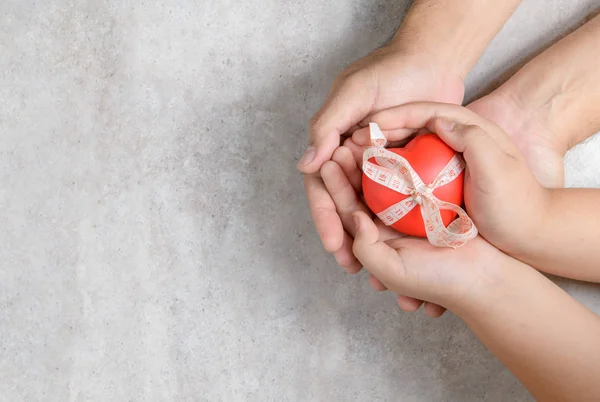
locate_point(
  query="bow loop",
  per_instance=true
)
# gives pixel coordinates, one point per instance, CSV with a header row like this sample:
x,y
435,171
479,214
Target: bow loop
x,y
396,173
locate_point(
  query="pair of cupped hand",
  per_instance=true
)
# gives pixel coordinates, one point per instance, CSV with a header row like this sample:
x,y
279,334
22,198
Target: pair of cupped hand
x,y
404,94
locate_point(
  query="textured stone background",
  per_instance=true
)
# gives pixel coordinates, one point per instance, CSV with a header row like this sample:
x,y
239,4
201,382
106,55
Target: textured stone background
x,y
156,243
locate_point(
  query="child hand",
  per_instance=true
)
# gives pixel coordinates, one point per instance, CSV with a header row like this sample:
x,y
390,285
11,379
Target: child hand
x,y
455,279
342,178
502,196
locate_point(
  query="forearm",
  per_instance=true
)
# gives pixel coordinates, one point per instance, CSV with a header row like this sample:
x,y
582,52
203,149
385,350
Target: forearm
x,y
567,243
456,31
569,94
545,337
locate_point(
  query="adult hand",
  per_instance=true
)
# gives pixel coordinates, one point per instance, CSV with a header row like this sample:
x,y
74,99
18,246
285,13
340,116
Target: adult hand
x,y
388,77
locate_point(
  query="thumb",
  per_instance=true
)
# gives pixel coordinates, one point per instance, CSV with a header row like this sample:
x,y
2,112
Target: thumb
x,y
376,256
461,137
345,107
480,149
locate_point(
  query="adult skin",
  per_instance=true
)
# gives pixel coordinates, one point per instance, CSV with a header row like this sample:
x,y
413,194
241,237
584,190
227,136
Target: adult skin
x,y
437,45
544,118
556,113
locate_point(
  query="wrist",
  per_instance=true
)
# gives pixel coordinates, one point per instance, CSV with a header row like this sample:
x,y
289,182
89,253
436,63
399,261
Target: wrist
x,y
564,102
433,46
505,280
455,33
488,271
531,240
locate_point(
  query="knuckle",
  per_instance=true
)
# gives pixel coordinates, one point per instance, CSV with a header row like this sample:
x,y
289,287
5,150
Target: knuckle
x,y
339,81
314,122
474,133
320,211
317,127
350,77
355,79
345,198
348,205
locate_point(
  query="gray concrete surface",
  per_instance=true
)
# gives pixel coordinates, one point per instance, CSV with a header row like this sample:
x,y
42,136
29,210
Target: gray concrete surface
x,y
156,244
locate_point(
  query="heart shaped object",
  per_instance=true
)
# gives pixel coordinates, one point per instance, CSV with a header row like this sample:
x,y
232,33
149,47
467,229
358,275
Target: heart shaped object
x,y
428,155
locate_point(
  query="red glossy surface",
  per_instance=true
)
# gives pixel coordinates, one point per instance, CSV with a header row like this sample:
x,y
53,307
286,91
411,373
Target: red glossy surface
x,y
428,155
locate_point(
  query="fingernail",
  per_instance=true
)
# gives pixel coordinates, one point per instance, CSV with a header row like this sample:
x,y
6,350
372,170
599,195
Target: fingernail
x,y
447,124
308,156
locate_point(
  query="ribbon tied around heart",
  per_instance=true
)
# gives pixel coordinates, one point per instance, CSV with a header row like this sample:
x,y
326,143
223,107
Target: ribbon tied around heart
x,y
396,173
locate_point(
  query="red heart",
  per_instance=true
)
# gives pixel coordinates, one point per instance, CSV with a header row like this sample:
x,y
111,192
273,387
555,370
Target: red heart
x,y
428,155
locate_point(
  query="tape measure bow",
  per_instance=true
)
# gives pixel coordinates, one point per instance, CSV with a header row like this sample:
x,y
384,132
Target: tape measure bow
x,y
396,173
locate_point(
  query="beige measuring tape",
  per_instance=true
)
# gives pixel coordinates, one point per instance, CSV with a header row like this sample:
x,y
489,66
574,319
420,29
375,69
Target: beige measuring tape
x,y
395,173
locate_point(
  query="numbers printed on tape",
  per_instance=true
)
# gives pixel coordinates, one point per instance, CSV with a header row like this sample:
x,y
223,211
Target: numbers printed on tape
x,y
394,172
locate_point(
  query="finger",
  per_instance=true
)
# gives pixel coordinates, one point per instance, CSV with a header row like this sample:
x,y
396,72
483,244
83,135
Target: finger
x,y
386,232
325,217
377,257
417,115
409,304
342,193
433,310
396,136
345,107
345,257
362,137
421,115
481,152
365,122
344,158
472,139
357,151
376,284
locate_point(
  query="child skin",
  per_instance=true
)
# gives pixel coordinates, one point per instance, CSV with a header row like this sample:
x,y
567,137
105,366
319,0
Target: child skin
x,y
437,45
546,338
544,118
554,230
